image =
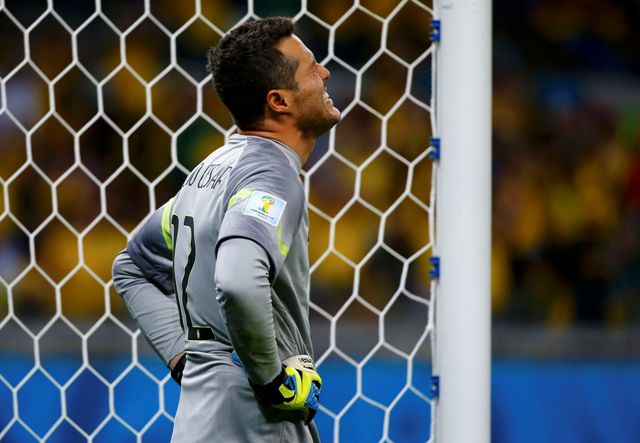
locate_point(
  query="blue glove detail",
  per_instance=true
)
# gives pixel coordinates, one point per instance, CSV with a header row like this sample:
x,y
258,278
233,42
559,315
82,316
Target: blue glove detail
x,y
313,399
236,359
290,382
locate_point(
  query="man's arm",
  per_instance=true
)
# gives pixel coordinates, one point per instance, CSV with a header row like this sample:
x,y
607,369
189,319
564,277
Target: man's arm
x,y
155,313
245,302
142,275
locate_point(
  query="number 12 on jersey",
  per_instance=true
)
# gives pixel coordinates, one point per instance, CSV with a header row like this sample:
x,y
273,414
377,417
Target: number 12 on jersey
x,y
181,289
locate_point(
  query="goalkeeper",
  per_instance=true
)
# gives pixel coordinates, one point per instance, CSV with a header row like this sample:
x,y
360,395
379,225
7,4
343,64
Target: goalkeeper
x,y
233,248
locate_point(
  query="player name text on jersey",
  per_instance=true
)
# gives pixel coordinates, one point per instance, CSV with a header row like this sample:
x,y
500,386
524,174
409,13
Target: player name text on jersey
x,y
207,175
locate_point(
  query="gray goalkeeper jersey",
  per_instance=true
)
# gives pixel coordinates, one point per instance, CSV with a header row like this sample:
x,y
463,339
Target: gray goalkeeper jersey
x,y
249,188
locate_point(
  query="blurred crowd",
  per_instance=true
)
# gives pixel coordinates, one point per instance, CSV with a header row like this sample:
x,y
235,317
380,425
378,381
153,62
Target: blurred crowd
x,y
566,163
566,245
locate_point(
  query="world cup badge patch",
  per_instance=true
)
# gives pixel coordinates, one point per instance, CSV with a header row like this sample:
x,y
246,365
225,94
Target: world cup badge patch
x,y
265,206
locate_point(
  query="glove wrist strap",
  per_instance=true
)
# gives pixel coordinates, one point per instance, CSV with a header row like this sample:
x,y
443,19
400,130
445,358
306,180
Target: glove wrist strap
x,y
269,393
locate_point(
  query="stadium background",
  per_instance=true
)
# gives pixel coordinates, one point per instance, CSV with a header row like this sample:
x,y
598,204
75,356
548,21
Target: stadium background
x,y
566,238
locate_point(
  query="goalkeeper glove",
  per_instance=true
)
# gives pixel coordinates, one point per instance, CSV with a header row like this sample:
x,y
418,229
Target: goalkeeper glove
x,y
296,388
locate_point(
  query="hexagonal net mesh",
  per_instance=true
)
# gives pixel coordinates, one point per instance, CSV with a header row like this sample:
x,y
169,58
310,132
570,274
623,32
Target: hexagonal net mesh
x,y
105,107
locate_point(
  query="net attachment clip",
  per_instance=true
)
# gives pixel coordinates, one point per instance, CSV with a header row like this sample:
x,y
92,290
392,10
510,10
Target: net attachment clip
x,y
435,386
435,30
434,272
434,143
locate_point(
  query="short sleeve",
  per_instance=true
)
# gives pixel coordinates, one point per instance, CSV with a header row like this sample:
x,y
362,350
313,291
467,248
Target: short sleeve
x,y
268,209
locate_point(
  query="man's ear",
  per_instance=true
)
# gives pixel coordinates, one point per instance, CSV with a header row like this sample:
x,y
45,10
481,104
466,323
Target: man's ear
x,y
279,101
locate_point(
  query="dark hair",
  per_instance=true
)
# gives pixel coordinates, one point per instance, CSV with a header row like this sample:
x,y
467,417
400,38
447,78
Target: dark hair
x,y
246,64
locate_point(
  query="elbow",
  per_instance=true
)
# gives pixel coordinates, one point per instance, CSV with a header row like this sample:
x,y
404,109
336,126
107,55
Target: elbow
x,y
119,271
116,271
228,291
234,292
241,274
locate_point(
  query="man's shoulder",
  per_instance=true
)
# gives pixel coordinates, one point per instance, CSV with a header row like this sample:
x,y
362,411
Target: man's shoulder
x,y
233,147
263,149
246,150
261,157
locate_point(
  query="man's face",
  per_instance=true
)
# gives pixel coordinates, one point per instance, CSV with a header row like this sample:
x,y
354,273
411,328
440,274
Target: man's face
x,y
313,109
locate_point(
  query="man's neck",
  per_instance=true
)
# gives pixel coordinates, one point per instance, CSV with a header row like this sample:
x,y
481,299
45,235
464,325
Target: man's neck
x,y
294,140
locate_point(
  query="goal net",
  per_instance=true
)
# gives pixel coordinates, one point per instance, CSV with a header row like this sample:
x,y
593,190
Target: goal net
x,y
105,106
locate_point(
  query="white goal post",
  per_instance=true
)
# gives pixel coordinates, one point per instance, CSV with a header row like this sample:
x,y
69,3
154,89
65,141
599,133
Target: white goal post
x,y
463,310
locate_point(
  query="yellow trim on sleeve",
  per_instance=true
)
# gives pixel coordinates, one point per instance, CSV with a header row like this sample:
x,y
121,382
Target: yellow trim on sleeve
x,y
240,195
284,249
166,224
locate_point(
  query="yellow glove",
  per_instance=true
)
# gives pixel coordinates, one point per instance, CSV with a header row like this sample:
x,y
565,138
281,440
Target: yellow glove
x,y
296,388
